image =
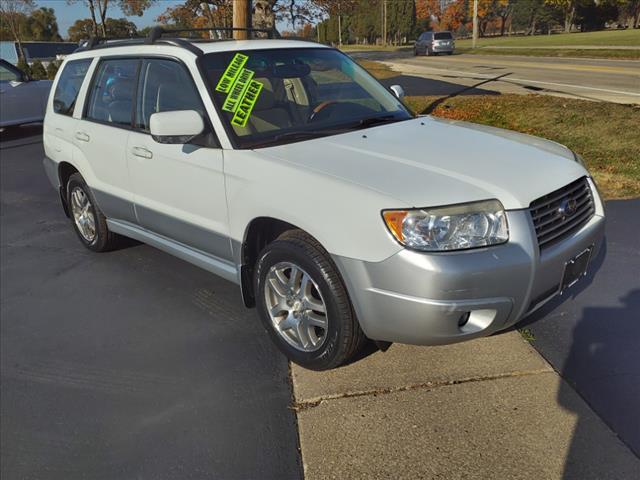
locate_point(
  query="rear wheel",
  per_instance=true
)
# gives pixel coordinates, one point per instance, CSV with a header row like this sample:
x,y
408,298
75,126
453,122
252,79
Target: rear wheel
x,y
88,221
304,305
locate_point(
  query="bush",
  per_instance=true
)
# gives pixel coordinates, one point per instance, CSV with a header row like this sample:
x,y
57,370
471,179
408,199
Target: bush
x,y
37,71
24,66
52,69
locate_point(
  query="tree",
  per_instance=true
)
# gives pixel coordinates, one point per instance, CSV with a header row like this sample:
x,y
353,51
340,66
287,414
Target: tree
x,y
128,7
263,14
12,12
81,30
336,8
41,25
24,66
568,9
199,14
120,28
52,69
455,16
631,11
115,28
401,19
37,70
295,11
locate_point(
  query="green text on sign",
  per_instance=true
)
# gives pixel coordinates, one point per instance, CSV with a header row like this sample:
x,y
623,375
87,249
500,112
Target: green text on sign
x,y
238,90
241,117
231,73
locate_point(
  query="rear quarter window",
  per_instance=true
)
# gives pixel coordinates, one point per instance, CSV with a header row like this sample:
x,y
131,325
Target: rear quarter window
x,y
71,78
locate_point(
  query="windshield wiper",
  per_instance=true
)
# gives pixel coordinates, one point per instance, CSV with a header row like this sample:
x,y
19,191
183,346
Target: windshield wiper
x,y
309,134
371,121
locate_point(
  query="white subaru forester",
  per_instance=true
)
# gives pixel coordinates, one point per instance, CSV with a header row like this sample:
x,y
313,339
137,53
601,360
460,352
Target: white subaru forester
x,y
286,168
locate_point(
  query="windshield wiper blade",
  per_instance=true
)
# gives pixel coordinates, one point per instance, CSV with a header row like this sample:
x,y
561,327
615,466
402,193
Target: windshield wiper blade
x,y
297,135
369,122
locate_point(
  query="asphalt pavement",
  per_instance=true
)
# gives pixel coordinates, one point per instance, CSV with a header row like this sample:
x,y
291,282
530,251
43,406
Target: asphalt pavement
x,y
130,364
134,364
590,79
592,337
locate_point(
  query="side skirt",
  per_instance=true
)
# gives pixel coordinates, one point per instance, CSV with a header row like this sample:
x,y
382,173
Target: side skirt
x,y
212,264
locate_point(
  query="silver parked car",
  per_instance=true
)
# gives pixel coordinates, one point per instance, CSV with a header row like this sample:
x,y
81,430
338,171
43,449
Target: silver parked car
x,y
22,100
433,43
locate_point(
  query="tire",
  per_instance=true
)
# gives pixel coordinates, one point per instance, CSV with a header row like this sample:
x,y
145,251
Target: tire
x,y
449,53
340,337
426,52
93,219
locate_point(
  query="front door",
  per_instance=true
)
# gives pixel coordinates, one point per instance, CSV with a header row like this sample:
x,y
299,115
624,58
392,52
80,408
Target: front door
x,y
179,189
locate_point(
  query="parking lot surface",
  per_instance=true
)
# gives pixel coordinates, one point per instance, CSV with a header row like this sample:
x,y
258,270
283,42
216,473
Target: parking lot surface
x,y
129,364
592,337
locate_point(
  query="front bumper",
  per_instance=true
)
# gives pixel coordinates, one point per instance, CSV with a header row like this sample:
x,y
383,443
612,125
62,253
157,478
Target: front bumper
x,y
420,298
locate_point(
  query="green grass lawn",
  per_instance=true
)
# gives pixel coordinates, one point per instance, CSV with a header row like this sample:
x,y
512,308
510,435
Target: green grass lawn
x,y
604,134
613,38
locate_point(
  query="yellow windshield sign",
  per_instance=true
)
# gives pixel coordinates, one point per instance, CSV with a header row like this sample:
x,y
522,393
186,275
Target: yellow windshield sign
x,y
244,109
230,75
238,90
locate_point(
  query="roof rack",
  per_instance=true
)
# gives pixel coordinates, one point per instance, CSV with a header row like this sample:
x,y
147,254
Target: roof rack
x,y
156,33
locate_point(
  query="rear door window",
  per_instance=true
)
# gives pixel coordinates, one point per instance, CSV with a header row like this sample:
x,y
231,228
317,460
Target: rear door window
x,y
111,99
69,83
443,36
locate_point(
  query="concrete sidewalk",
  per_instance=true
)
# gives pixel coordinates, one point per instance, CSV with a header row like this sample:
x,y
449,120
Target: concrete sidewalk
x,y
489,408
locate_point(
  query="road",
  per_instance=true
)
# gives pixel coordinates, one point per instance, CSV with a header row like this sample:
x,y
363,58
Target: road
x,y
606,80
129,364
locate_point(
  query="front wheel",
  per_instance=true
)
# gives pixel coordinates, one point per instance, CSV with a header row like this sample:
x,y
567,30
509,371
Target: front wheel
x,y
303,303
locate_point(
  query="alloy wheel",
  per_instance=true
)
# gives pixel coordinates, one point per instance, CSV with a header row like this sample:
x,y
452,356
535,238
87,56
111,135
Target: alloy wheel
x,y
83,214
295,305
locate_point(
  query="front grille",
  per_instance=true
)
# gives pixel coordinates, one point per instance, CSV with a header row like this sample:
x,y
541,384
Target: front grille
x,y
562,212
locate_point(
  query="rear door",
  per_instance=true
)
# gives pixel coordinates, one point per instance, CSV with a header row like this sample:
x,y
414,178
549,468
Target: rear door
x,y
179,189
102,134
59,127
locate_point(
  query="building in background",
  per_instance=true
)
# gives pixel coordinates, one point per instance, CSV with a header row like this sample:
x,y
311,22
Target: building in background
x,y
43,51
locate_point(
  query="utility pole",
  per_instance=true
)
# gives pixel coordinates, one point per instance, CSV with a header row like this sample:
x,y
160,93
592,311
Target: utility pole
x,y
240,18
475,24
339,29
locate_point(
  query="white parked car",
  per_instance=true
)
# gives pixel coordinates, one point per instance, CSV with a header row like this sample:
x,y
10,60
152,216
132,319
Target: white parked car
x,y
286,168
22,100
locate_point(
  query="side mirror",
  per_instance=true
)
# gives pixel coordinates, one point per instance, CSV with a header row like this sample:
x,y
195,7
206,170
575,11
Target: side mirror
x,y
398,91
177,127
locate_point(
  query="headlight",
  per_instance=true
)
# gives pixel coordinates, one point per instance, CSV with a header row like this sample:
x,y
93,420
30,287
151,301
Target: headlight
x,y
456,227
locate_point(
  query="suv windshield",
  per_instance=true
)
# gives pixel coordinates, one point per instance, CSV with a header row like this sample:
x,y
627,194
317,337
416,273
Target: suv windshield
x,y
269,97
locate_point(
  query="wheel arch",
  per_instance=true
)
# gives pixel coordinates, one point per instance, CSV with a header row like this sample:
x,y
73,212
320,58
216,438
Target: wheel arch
x,y
65,170
260,232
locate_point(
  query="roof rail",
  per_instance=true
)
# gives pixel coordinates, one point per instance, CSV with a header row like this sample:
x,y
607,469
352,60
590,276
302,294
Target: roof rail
x,y
155,37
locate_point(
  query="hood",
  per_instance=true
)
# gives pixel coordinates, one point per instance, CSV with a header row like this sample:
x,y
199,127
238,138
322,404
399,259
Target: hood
x,y
427,162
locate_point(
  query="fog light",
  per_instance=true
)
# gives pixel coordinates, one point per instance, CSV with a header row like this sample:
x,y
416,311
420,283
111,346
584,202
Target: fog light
x,y
464,318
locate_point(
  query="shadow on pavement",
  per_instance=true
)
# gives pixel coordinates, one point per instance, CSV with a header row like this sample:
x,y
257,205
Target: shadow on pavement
x,y
591,338
420,86
601,372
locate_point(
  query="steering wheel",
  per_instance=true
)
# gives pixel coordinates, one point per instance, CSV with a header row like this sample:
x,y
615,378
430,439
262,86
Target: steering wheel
x,y
321,106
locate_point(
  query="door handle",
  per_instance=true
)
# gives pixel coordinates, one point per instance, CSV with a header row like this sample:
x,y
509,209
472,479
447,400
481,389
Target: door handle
x,y
83,137
141,152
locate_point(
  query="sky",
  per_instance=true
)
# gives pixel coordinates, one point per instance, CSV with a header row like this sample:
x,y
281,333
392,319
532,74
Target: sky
x,y
68,14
